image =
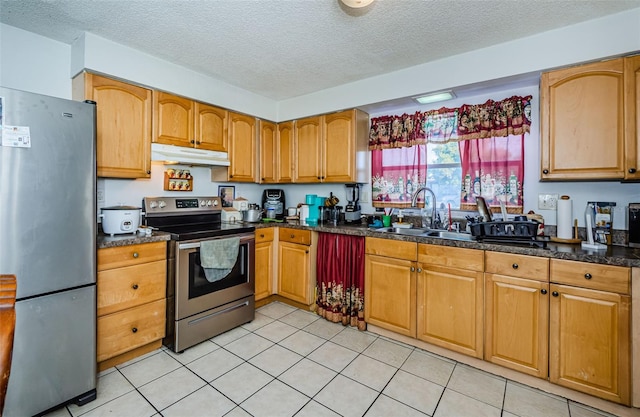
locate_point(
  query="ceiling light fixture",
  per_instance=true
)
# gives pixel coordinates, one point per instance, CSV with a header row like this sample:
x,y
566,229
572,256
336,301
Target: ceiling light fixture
x,y
435,97
356,4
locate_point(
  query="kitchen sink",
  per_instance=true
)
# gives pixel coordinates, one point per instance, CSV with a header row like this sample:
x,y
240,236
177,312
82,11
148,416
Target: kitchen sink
x,y
423,232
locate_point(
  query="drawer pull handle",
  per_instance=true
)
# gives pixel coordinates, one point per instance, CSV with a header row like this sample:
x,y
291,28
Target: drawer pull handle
x,y
588,276
261,235
514,266
543,291
134,286
292,236
134,330
135,254
555,293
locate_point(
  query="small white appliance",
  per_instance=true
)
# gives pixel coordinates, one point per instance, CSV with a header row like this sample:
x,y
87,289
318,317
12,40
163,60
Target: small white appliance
x,y
120,219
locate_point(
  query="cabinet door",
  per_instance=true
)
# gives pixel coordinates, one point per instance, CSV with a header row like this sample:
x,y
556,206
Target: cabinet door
x,y
582,122
284,160
294,268
390,294
268,152
211,127
264,274
339,147
517,323
632,117
307,150
450,306
173,120
589,342
242,148
123,118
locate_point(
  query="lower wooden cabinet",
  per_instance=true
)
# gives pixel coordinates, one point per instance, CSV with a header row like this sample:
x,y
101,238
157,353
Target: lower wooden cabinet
x,y
296,265
450,298
390,285
517,312
589,330
264,263
131,303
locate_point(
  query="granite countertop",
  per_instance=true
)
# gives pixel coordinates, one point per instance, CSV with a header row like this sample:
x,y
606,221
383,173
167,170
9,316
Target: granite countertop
x,y
106,241
614,255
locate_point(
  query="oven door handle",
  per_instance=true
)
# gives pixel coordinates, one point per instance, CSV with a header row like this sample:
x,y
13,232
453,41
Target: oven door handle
x,y
188,245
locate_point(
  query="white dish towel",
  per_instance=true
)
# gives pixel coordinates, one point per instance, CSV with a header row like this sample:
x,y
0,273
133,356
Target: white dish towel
x,y
217,257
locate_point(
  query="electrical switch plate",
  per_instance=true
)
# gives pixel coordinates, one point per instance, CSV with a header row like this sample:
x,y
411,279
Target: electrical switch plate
x,y
547,201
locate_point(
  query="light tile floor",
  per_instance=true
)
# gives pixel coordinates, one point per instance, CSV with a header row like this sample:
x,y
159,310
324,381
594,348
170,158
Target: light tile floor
x,y
289,362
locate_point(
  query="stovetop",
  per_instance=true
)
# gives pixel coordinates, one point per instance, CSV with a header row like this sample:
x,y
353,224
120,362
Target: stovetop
x,y
189,218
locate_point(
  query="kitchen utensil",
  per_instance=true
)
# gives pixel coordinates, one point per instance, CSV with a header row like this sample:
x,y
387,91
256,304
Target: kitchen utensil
x,y
252,215
120,219
484,211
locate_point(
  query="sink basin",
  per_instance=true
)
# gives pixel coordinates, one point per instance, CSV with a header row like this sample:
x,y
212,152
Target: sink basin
x,y
449,235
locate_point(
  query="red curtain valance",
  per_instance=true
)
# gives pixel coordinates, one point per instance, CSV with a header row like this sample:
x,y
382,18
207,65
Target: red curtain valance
x,y
511,116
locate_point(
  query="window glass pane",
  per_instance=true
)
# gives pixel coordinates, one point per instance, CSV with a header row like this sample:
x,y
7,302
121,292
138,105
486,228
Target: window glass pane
x,y
444,173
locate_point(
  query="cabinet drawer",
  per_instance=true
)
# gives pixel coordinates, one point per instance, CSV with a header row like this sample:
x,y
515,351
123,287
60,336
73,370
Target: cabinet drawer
x,y
302,237
520,266
594,276
391,248
469,259
109,258
131,286
126,330
264,235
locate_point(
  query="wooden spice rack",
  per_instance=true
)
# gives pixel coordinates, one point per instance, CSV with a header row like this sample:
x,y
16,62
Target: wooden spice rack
x,y
173,183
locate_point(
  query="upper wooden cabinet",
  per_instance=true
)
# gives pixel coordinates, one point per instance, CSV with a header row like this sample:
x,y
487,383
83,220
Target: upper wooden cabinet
x,y
285,152
632,117
588,121
332,148
182,122
123,125
242,148
268,152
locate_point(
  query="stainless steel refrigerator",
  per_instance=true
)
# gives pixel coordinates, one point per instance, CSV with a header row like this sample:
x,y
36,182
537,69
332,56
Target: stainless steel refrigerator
x,y
48,241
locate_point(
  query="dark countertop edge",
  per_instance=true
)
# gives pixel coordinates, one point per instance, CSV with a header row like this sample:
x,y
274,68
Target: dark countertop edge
x,y
106,241
614,255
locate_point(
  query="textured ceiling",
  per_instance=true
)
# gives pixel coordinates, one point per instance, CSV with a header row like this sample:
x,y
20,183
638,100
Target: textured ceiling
x,y
287,48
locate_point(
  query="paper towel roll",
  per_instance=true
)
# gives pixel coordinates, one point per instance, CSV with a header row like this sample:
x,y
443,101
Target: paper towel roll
x,y
565,218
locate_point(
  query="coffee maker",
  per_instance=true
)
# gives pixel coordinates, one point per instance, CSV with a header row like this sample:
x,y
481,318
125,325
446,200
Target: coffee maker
x,y
352,210
274,199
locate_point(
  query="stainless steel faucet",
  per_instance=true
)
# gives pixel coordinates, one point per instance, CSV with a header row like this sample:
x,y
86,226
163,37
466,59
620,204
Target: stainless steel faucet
x,y
414,199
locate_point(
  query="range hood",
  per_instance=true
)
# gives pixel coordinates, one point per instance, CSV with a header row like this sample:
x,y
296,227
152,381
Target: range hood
x,y
170,154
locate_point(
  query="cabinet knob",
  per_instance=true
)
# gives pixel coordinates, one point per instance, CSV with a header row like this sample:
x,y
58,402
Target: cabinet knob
x,y
262,178
193,141
413,269
514,266
588,276
419,270
134,330
134,286
543,291
230,176
632,170
261,235
545,171
149,171
318,177
292,236
198,142
555,293
135,254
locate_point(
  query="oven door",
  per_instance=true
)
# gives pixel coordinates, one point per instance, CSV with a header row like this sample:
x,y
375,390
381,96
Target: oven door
x,y
196,294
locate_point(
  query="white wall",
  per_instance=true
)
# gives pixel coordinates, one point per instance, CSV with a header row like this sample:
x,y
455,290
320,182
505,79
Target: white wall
x,y
34,63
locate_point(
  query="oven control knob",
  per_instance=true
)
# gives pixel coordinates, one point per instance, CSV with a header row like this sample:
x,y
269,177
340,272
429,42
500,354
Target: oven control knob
x,y
203,203
215,203
209,203
153,205
162,204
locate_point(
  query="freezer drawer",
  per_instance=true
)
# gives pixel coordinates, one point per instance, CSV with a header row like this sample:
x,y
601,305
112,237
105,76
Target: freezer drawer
x,y
54,351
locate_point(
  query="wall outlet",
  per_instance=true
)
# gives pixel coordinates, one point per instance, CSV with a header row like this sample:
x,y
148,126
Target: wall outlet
x,y
547,201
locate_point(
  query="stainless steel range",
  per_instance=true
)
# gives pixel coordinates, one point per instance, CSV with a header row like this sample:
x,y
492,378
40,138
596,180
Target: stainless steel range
x,y
199,304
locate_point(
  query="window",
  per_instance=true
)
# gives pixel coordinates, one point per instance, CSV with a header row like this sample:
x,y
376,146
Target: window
x,y
444,173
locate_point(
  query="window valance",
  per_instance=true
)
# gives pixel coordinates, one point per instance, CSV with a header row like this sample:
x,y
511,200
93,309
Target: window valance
x,y
511,116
